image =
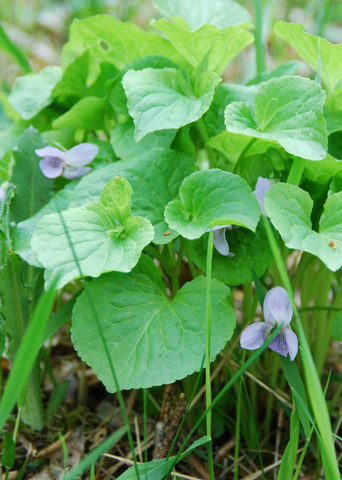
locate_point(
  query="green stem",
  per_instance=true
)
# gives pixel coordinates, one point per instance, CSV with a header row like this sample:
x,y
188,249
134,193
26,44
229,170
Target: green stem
x,y
259,46
207,355
238,423
313,384
205,137
296,171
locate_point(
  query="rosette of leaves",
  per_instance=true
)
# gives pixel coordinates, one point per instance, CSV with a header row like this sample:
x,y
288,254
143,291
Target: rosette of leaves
x,y
94,238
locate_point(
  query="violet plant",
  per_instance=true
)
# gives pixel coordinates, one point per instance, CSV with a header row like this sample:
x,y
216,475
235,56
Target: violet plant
x,y
162,161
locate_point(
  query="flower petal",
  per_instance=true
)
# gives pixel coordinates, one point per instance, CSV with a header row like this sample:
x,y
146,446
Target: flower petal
x,y
72,173
261,188
51,170
254,335
220,241
50,152
277,307
81,154
286,343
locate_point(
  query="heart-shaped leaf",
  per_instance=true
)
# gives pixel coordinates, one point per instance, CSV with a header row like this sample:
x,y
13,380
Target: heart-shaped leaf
x,y
161,99
289,207
151,339
217,47
212,197
32,93
310,47
89,240
288,110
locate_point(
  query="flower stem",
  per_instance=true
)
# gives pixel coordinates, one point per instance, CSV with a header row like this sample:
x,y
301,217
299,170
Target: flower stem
x,y
207,356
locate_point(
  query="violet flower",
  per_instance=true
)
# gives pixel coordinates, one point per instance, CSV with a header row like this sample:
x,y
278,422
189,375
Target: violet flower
x,y
261,188
70,164
277,310
220,241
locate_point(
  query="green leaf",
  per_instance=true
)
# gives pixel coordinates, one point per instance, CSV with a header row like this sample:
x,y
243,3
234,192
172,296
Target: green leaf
x,y
124,145
220,13
73,84
32,189
336,327
308,47
88,113
12,49
323,170
109,40
289,207
161,99
288,110
32,93
209,198
288,462
116,198
250,250
8,454
92,456
217,47
89,240
158,469
27,352
154,340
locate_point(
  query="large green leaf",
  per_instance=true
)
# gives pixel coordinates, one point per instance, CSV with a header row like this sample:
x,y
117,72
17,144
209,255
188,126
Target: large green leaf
x,y
91,239
288,110
310,47
109,40
73,84
124,145
151,339
251,250
218,47
161,99
32,93
209,198
88,113
221,13
32,190
289,207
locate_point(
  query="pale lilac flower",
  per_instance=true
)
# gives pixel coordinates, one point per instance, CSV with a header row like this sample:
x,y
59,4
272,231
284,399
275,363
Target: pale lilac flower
x,y
220,241
2,194
277,310
70,164
261,188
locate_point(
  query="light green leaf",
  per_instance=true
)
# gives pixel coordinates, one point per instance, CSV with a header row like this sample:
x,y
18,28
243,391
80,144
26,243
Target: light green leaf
x,y
109,40
153,340
88,113
99,242
32,93
322,171
73,84
249,249
218,46
161,99
288,110
308,46
221,13
287,68
289,207
209,198
116,198
124,145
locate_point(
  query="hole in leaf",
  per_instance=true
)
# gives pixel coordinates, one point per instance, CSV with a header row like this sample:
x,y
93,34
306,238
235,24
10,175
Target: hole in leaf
x,y
104,45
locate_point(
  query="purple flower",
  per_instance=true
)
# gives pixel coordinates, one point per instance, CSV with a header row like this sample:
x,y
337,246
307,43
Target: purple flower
x,y
277,310
70,164
2,194
220,241
261,188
